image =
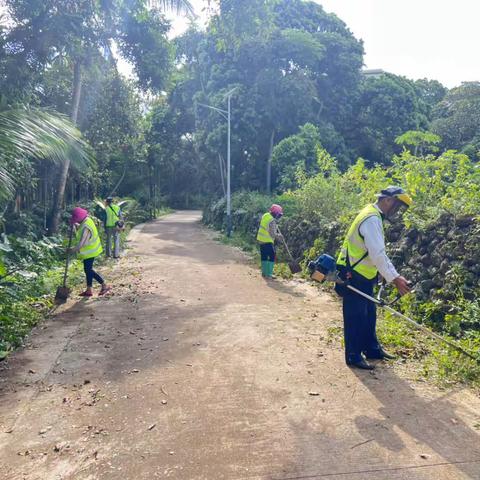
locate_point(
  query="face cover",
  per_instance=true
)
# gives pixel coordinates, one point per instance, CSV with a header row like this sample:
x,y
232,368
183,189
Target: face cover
x,y
396,212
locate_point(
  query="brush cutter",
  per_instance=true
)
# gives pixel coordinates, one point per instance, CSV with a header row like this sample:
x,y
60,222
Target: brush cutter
x,y
63,292
293,265
324,269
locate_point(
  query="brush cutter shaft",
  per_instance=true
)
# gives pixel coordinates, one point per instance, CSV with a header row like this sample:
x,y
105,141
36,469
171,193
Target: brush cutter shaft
x,y
412,322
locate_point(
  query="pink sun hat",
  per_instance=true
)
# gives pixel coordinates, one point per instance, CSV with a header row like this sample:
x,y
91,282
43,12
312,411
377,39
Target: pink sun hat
x,y
78,215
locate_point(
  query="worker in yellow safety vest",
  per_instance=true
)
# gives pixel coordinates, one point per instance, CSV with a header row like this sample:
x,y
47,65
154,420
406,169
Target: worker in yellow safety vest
x,y
361,258
114,223
88,247
267,234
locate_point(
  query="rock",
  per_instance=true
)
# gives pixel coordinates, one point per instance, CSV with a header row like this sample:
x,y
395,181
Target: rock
x,y
458,252
426,285
412,233
425,259
436,259
464,221
444,266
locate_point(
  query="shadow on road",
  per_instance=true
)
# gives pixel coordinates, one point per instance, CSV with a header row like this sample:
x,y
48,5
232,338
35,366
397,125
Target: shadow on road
x,y
434,424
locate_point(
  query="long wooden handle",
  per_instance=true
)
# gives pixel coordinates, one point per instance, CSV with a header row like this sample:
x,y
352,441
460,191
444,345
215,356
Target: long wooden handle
x,y
70,236
285,245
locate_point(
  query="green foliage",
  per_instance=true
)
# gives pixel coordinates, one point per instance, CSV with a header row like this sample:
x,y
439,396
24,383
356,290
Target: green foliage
x,y
144,43
457,118
296,156
387,107
41,134
422,142
291,63
30,273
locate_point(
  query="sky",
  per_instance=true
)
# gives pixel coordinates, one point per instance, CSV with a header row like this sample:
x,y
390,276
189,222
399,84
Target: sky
x,y
435,39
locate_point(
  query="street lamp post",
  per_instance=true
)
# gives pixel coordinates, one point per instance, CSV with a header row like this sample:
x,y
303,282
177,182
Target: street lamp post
x,y
226,114
229,193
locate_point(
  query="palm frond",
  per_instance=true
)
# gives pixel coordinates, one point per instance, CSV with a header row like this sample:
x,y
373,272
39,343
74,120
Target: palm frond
x,y
6,185
28,132
178,6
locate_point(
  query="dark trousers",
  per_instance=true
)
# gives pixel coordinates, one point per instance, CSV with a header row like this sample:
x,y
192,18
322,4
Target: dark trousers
x,y
267,252
90,273
359,320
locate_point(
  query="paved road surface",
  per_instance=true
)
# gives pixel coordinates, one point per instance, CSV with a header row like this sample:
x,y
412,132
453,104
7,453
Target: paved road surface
x,y
198,369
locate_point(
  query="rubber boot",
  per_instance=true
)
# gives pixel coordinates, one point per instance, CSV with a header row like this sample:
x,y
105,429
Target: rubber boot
x,y
270,269
264,269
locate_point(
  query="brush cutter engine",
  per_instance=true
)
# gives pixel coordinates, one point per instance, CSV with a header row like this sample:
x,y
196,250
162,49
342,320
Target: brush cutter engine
x,y
324,269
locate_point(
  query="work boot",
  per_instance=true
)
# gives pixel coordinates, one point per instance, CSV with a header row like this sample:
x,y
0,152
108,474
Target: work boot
x,y
379,354
362,364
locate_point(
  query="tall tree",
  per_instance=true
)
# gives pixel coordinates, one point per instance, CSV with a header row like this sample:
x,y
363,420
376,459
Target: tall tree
x,y
387,107
290,62
457,118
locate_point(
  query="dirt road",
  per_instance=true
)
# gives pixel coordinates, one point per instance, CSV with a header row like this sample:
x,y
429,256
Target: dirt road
x,y
196,368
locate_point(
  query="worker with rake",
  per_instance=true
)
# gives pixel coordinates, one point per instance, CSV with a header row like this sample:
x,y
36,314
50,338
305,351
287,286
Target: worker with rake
x,y
88,248
267,234
362,258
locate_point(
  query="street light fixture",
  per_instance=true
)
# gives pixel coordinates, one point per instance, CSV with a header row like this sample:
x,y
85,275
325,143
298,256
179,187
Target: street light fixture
x,y
226,114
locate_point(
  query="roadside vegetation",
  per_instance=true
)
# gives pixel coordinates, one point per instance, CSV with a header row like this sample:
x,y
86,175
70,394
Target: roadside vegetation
x,y
434,245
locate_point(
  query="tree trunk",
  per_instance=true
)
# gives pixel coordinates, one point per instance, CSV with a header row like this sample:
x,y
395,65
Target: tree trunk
x,y
269,163
65,166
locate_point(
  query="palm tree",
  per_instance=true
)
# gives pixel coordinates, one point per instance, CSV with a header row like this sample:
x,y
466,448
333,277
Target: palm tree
x,y
37,133
179,6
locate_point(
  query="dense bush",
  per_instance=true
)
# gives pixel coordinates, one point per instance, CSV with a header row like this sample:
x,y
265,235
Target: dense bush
x,y
30,271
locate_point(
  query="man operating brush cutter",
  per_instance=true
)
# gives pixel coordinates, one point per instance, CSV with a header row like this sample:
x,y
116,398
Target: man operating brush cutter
x,y
361,258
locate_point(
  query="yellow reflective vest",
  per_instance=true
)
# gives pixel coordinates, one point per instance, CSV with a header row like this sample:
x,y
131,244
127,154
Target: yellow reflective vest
x,y
113,215
354,246
93,248
263,235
